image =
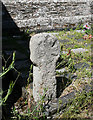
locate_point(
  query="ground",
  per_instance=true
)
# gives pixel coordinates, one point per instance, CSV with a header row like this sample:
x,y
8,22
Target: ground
x,y
75,65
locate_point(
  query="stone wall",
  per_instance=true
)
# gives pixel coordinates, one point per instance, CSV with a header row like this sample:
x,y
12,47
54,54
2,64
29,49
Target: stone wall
x,y
48,14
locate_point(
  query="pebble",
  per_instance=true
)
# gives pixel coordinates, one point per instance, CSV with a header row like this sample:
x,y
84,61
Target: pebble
x,y
61,70
79,50
49,118
80,31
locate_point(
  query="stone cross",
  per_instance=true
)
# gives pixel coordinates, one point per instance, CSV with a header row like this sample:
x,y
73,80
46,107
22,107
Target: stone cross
x,y
45,51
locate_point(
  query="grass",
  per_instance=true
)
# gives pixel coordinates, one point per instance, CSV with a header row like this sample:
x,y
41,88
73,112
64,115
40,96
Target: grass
x,y
82,105
83,102
11,85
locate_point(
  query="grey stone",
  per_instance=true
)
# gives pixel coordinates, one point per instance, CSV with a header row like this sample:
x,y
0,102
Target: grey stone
x,y
61,70
53,14
80,31
79,50
81,65
65,99
45,51
49,118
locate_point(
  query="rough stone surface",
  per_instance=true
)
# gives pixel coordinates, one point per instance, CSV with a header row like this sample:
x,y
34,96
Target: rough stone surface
x,y
61,70
55,105
45,50
78,50
47,14
81,65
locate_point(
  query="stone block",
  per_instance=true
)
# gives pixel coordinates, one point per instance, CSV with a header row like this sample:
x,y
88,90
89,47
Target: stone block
x,y
79,50
53,14
45,51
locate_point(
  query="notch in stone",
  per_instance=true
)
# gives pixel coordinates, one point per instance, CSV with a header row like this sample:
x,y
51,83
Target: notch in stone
x,y
45,51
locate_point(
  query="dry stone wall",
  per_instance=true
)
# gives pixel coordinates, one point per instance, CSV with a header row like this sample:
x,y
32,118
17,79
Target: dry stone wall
x,y
48,14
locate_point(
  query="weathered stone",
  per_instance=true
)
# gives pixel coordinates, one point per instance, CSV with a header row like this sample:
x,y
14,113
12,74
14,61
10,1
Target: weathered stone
x,y
65,99
53,14
80,31
79,50
61,70
45,50
81,65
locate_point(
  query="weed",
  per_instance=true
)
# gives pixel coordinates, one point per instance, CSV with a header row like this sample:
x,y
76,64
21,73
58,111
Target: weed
x,y
80,103
68,60
11,86
35,114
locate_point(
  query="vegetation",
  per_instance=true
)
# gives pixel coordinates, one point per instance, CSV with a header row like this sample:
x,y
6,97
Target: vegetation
x,y
11,85
82,105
